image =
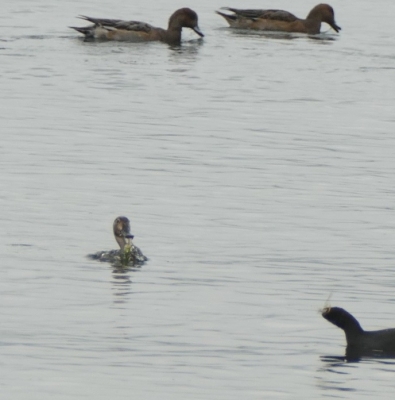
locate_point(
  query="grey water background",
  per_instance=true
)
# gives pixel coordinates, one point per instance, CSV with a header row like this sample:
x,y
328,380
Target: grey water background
x,y
257,172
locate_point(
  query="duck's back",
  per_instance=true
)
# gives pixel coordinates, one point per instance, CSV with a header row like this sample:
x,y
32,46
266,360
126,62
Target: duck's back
x,y
120,24
275,15
382,340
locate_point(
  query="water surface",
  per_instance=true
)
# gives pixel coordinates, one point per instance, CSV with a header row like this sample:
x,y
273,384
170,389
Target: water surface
x,y
258,175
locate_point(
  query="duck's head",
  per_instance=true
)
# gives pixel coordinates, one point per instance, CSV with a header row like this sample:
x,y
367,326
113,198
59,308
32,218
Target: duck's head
x,y
185,18
342,319
122,233
325,13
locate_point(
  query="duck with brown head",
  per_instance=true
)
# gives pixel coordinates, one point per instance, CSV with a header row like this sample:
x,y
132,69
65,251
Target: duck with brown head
x,y
136,31
280,20
121,229
129,254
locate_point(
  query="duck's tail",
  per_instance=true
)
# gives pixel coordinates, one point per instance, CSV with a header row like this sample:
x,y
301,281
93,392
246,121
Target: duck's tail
x,y
229,18
87,31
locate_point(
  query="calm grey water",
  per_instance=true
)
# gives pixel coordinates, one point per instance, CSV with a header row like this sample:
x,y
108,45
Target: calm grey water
x,y
258,175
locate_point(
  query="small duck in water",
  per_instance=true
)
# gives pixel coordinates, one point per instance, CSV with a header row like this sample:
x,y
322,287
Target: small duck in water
x,y
129,254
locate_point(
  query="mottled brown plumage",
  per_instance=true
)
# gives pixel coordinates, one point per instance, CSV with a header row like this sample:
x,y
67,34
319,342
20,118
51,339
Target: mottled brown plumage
x,y
279,20
136,31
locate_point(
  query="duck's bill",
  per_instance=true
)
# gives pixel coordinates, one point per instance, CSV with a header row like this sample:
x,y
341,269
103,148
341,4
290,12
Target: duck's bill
x,y
198,31
325,311
336,27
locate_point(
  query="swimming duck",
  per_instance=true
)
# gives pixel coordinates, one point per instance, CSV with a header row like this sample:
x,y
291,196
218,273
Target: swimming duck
x,y
135,31
279,20
128,253
360,342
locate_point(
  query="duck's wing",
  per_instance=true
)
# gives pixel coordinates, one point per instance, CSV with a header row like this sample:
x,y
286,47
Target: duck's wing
x,y
119,24
383,340
277,15
139,257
